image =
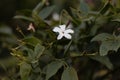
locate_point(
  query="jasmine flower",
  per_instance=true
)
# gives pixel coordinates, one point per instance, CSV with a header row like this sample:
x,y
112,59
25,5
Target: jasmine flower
x,y
63,32
31,27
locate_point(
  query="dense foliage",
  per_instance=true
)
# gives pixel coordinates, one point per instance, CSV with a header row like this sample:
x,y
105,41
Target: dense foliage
x,y
92,53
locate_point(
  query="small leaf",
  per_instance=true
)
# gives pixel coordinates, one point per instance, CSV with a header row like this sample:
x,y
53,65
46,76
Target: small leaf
x,y
99,22
102,37
25,70
109,42
109,45
33,41
105,7
30,54
66,15
104,60
116,20
23,17
38,51
46,12
52,68
39,7
74,54
69,74
84,7
38,21
8,62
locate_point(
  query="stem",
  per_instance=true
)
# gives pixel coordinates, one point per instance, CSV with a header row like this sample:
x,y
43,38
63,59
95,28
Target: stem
x,y
20,31
61,16
68,46
84,54
65,64
39,6
68,23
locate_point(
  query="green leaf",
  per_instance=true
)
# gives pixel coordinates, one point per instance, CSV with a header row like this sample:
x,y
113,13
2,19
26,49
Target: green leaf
x,y
104,60
25,70
65,15
33,41
8,62
69,74
23,17
116,17
30,54
84,7
39,49
74,54
94,29
102,37
109,45
39,7
116,20
38,21
109,42
105,7
46,12
99,22
52,68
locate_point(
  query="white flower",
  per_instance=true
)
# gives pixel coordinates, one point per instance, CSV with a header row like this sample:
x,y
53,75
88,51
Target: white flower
x,y
31,27
63,32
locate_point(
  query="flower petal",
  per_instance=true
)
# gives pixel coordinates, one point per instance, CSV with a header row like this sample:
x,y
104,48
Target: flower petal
x,y
31,27
60,36
68,36
57,29
62,27
69,31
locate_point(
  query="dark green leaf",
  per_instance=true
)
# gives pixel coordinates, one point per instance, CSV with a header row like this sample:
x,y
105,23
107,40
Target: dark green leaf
x,y
99,22
30,54
39,7
38,51
84,7
8,62
73,54
116,20
94,29
65,15
109,45
33,41
104,60
52,68
102,37
46,12
109,42
23,17
105,7
38,21
69,74
25,70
